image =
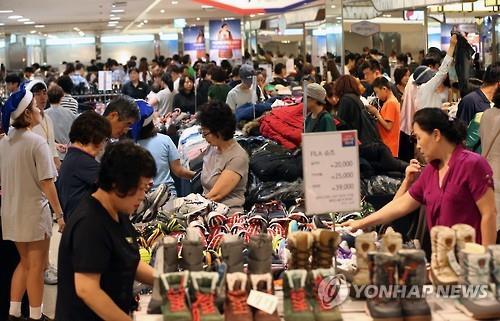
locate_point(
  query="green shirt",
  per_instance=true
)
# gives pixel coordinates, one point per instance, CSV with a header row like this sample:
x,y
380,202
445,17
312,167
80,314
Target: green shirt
x,y
324,123
191,72
218,92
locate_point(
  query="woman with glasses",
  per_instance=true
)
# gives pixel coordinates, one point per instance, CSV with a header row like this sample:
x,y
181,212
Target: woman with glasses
x,y
225,165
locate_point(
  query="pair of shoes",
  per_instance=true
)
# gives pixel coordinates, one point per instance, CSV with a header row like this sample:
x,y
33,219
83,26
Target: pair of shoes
x,y
320,245
50,275
445,240
270,212
301,304
410,266
479,267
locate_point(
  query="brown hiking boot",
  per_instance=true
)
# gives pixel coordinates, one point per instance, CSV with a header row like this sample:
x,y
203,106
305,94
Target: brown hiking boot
x,y
236,307
263,283
300,246
443,241
324,248
364,243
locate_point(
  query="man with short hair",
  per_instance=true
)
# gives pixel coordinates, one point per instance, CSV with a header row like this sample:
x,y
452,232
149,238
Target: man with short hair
x,y
13,81
122,112
67,101
242,93
480,99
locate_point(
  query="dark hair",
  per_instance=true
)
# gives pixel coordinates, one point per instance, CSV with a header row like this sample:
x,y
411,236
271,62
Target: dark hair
x,y
346,84
133,69
125,106
307,69
21,121
182,81
496,98
29,69
381,82
236,71
38,87
185,59
13,78
278,69
55,94
403,58
399,74
123,165
218,118
492,74
430,119
90,128
219,74
371,64
70,68
148,131
330,92
65,83
79,66
167,79
349,56
174,68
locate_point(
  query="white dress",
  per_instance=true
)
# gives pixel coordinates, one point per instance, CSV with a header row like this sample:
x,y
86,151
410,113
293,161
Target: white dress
x,y
25,160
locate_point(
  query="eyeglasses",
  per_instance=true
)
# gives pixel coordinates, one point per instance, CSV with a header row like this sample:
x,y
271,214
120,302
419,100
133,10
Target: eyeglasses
x,y
203,133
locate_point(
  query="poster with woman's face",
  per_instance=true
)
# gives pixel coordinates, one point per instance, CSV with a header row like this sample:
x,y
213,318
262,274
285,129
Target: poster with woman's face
x,y
194,42
225,39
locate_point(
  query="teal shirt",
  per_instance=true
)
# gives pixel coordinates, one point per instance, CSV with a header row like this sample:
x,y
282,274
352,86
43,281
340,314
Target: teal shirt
x,y
324,123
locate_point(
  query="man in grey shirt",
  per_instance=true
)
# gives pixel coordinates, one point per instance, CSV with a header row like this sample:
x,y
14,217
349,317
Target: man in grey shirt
x,y
242,93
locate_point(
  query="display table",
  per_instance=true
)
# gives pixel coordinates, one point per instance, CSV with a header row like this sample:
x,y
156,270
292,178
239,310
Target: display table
x,y
442,310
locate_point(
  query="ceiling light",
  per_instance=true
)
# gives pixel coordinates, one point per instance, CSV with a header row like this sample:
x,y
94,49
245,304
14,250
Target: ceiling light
x,y
387,16
81,33
145,21
40,26
23,20
6,11
175,2
76,29
162,11
29,23
2,24
117,10
33,31
112,15
118,27
198,19
114,18
113,22
14,17
252,15
333,6
45,34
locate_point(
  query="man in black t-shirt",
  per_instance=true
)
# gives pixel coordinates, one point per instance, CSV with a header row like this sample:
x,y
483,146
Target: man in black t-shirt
x,y
98,254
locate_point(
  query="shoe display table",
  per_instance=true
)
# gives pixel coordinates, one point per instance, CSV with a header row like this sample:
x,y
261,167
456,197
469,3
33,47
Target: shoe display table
x,y
442,310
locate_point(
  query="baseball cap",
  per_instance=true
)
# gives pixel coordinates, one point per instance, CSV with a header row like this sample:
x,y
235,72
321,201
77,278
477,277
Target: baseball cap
x,y
246,73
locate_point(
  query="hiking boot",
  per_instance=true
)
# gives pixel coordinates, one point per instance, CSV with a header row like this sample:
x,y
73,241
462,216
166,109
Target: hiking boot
x,y
295,303
475,263
412,273
173,292
232,253
383,268
324,248
364,243
443,241
391,242
170,256
236,307
495,267
192,251
203,307
321,311
263,283
464,233
260,251
300,247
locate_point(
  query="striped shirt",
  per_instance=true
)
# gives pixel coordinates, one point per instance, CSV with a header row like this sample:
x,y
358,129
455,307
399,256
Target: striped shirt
x,y
69,102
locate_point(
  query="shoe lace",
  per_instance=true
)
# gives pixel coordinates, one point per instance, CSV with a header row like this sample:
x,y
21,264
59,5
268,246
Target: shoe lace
x,y
238,301
298,300
176,299
204,304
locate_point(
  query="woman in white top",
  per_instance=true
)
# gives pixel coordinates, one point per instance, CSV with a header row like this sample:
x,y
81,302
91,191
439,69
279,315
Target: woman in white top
x,y
431,90
27,177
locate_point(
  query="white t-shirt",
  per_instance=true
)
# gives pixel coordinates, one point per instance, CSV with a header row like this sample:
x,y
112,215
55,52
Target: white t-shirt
x,y
238,96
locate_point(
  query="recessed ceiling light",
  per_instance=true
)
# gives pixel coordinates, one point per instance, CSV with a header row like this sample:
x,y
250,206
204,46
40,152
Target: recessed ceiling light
x,y
40,26
23,19
333,6
162,11
112,15
2,24
114,18
145,21
117,10
198,19
45,34
118,27
175,2
6,11
33,31
76,29
29,23
14,17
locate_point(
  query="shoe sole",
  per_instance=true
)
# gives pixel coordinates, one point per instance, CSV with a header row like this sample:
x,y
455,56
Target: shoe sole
x,y
485,316
418,318
367,311
434,279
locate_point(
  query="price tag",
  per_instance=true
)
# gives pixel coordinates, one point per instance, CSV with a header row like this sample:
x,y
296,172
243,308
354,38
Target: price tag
x,y
262,301
331,172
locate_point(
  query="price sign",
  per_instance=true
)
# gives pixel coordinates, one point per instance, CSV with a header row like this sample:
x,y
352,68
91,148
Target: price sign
x,y
104,80
331,172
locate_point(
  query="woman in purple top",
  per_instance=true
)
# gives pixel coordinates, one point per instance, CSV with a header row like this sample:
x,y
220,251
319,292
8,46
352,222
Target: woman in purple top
x,y
456,186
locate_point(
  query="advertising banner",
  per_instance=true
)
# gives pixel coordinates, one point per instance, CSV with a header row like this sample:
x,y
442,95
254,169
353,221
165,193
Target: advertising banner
x,y
225,40
194,42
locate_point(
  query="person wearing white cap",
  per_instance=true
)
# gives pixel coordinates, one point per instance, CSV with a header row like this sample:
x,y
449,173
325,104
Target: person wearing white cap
x,y
27,174
318,119
160,146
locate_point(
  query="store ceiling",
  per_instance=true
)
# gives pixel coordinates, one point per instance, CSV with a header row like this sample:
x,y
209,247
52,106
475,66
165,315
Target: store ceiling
x,y
95,15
